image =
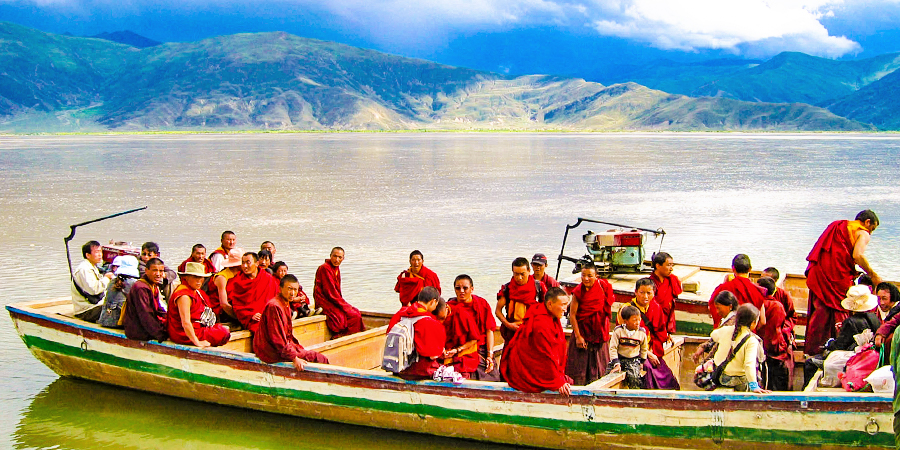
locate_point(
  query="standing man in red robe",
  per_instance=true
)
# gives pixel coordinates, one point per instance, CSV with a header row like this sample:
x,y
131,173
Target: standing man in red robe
x,y
484,320
517,297
830,273
539,264
275,341
219,255
428,334
740,285
340,317
667,287
198,255
412,280
249,292
534,359
589,312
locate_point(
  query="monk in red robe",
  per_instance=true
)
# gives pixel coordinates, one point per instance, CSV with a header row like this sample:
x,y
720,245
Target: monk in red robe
x,y
667,285
428,335
657,375
219,255
534,360
186,321
740,285
217,288
412,280
340,317
484,320
783,296
777,337
249,292
539,265
830,273
589,312
462,340
198,255
274,341
516,297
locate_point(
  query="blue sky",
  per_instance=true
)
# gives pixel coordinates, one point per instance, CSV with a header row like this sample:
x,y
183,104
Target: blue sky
x,y
566,37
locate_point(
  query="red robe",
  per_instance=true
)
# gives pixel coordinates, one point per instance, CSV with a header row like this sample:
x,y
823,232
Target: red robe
x,y
745,290
594,310
408,286
534,360
775,332
549,281
667,290
341,318
829,275
275,341
216,335
518,300
654,322
249,296
483,314
212,291
460,328
207,265
429,338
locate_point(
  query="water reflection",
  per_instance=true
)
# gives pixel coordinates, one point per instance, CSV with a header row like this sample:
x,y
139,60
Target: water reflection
x,y
75,414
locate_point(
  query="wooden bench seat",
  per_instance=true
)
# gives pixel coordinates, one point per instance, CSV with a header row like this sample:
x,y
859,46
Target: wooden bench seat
x,y
308,331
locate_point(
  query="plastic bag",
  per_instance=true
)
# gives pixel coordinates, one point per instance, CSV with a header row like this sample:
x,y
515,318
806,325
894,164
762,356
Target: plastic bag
x,y
834,365
882,380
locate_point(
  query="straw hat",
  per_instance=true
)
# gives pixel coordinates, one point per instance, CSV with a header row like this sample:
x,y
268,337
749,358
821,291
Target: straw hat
x,y
127,265
859,299
234,258
196,269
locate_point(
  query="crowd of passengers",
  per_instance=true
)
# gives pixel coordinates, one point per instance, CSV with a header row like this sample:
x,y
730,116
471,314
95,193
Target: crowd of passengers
x,y
454,339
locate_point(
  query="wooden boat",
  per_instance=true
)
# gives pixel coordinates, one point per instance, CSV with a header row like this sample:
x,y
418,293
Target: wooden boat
x,y
353,390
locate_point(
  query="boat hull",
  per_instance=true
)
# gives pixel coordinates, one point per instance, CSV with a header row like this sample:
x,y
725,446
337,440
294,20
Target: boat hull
x,y
483,411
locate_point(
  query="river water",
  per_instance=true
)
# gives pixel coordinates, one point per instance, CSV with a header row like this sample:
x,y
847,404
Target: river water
x,y
470,202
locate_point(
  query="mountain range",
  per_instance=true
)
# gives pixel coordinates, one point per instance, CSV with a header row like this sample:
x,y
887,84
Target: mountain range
x,y
277,81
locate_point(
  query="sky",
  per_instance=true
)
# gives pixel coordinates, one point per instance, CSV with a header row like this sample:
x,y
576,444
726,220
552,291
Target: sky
x,y
585,38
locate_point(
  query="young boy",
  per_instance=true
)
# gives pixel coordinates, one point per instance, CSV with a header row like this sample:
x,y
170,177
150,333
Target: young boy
x,y
777,336
629,347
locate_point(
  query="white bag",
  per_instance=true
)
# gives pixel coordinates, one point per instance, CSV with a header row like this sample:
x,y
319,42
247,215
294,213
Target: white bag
x,y
882,380
834,365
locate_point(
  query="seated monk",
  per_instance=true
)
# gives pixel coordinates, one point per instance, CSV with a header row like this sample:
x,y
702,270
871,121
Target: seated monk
x,y
590,313
145,310
412,280
249,292
274,340
740,285
340,317
217,288
219,255
190,320
484,319
658,374
462,340
198,255
516,297
428,334
534,359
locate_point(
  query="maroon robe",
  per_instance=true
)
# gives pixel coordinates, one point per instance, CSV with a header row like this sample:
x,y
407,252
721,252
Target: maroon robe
x,y
249,296
594,311
216,335
274,341
340,317
145,317
745,290
549,281
661,376
460,327
484,319
666,291
776,338
534,359
829,275
428,337
519,300
207,265
408,286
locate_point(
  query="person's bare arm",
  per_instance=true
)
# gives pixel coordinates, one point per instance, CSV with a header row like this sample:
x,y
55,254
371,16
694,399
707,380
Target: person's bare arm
x,y
573,311
859,255
221,283
489,343
501,302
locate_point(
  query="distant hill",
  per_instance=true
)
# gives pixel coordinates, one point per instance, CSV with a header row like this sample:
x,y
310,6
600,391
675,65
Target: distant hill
x,y
284,82
681,78
128,38
877,103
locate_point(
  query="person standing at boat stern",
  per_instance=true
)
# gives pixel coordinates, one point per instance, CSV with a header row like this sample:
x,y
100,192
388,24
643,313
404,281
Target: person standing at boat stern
x,y
516,297
534,359
190,320
88,286
484,319
589,313
145,309
250,290
667,287
219,255
830,273
740,285
341,318
274,341
411,281
539,265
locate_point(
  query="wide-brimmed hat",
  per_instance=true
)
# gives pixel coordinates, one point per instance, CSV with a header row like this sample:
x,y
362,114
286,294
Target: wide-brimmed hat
x,y
859,299
234,258
127,265
196,269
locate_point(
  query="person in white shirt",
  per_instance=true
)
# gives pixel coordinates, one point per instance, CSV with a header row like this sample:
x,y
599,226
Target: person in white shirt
x,y
88,286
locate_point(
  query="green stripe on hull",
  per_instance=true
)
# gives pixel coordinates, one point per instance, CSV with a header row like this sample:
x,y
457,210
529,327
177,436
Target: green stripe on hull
x,y
842,438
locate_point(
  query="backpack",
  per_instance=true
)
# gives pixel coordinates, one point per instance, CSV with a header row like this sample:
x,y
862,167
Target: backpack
x,y
858,368
539,292
399,346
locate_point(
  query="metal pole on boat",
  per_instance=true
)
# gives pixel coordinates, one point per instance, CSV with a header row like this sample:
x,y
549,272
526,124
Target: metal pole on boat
x,y
73,227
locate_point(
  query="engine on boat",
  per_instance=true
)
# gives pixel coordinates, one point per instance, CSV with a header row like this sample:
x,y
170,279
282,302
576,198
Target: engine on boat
x,y
615,251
